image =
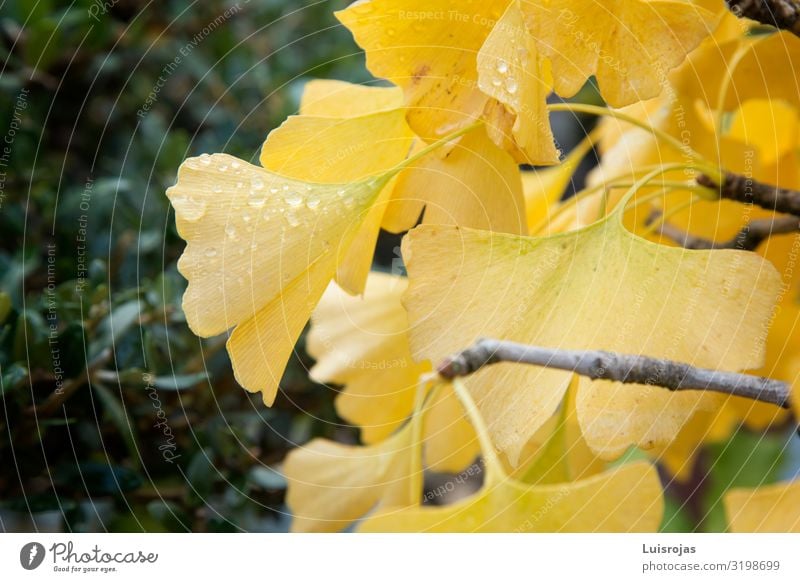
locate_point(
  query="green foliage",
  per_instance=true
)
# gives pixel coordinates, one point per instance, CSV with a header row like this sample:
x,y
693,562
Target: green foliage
x,y
115,411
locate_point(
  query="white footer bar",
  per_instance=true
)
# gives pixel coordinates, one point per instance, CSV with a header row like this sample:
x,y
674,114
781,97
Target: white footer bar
x,y
388,557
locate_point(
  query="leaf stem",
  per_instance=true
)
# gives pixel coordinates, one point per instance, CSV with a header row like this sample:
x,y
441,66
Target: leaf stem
x,y
658,133
644,180
612,184
494,469
722,94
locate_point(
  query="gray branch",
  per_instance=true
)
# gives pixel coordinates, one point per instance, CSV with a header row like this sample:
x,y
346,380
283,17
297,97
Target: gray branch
x,y
783,14
629,369
747,239
748,191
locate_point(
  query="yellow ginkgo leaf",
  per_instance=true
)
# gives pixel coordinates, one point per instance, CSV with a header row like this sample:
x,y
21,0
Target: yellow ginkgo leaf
x,y
471,182
429,49
624,147
753,67
474,183
511,70
331,485
560,451
705,427
629,45
543,190
329,98
769,125
310,147
597,288
262,246
755,134
767,509
627,499
362,344
450,442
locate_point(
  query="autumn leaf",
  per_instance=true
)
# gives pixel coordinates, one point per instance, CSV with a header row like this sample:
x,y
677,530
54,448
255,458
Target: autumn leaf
x,y
627,499
596,288
758,137
331,485
432,50
331,98
511,70
544,187
766,509
624,499
474,183
628,45
262,246
471,182
362,344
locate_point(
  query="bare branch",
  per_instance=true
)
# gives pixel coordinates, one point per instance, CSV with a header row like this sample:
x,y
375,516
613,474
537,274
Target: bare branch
x,y
783,14
745,189
747,239
629,369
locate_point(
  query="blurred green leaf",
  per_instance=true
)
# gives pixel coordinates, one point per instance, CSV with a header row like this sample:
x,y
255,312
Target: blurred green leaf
x,y
179,381
30,341
267,478
746,460
111,329
43,43
119,416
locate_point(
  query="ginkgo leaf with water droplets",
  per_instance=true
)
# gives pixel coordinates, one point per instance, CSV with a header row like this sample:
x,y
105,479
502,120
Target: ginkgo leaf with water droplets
x,y
629,45
470,182
261,249
511,70
432,59
431,49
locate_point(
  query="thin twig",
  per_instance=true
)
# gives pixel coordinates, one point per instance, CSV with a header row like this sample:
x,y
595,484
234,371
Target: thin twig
x,y
747,239
783,14
626,368
748,191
